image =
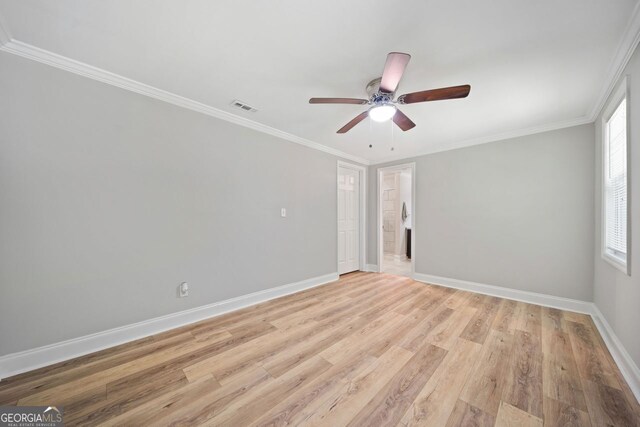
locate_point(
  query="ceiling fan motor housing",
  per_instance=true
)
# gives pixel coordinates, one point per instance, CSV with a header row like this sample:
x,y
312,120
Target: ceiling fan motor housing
x,y
373,87
381,98
376,96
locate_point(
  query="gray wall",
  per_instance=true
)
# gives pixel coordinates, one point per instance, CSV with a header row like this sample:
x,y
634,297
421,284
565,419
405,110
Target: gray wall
x,y
516,213
109,199
616,294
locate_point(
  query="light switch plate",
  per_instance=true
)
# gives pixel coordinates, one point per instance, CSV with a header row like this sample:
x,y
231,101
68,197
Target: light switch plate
x,y
283,212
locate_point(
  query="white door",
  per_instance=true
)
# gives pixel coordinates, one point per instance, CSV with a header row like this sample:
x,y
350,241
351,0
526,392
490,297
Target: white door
x,y
348,220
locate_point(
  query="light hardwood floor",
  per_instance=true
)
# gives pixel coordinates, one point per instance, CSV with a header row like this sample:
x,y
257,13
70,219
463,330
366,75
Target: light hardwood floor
x,y
368,350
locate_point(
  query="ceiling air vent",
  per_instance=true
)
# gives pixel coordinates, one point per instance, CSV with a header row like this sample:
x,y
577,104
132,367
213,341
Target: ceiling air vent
x,y
241,105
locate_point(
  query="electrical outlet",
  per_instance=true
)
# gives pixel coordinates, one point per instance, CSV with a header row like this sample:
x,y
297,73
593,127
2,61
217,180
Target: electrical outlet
x,y
183,290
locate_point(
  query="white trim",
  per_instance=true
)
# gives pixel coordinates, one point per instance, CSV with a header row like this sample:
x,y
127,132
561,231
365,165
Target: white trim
x,y
5,35
624,51
372,268
25,50
621,92
16,363
490,138
414,215
625,363
614,262
508,293
623,54
53,59
362,261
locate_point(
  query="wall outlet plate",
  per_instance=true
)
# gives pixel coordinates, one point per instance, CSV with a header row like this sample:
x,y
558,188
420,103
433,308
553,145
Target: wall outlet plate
x,y
183,290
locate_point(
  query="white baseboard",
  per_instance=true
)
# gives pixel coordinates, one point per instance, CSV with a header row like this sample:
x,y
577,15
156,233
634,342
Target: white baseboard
x,y
372,268
13,364
627,367
625,363
16,363
514,294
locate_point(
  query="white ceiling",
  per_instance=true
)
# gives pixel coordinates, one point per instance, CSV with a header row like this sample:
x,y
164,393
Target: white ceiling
x,y
530,63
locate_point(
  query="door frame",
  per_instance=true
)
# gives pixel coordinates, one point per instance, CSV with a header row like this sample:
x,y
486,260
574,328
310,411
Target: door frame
x,y
362,241
380,234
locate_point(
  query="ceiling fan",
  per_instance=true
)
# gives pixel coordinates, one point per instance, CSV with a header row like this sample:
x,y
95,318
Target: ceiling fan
x,y
382,91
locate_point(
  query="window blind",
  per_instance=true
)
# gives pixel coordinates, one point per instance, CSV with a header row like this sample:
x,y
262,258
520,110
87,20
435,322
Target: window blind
x,y
616,183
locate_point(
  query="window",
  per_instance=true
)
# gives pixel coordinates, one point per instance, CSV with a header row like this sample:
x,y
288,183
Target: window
x,y
615,196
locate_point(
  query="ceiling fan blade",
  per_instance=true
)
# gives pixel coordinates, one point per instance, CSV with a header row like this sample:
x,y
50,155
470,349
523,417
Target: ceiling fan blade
x,y
435,94
403,121
338,101
393,70
360,117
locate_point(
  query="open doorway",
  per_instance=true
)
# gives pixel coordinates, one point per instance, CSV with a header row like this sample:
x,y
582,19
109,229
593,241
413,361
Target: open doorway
x,y
396,230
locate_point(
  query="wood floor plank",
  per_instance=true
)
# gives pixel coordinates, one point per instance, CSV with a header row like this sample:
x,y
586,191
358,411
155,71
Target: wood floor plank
x,y
124,399
577,317
424,297
608,406
591,359
479,326
560,375
390,303
410,323
559,414
65,367
509,416
530,319
484,388
279,363
553,320
437,298
392,401
457,299
59,375
523,382
446,333
63,392
437,399
172,403
255,402
225,365
353,394
299,406
599,342
369,349
507,317
413,340
307,314
465,415
378,329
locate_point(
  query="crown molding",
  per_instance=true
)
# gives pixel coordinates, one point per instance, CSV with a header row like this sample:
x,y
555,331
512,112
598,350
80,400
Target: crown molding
x,y
34,53
491,138
625,50
5,35
622,56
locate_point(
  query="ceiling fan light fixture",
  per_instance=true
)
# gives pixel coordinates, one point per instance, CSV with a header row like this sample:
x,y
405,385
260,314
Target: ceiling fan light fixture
x,y
382,113
382,92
